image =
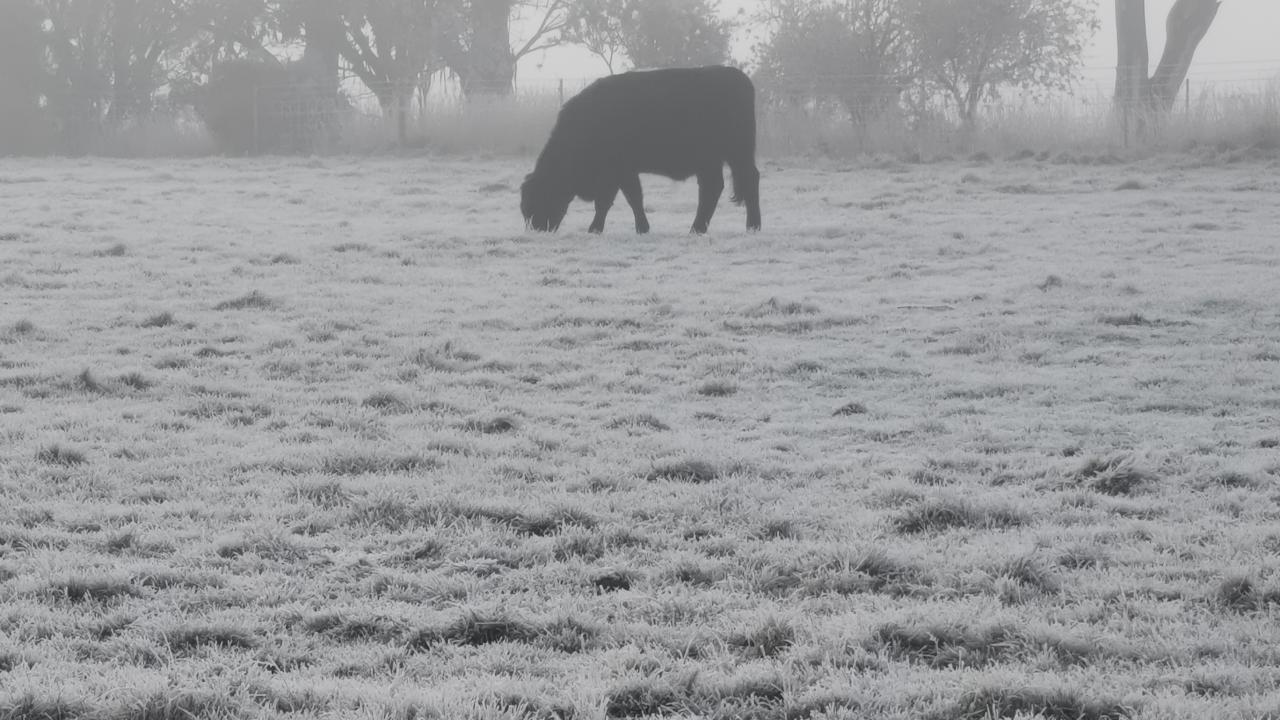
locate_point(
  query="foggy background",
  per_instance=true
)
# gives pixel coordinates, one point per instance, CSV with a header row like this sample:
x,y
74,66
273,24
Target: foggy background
x,y
136,77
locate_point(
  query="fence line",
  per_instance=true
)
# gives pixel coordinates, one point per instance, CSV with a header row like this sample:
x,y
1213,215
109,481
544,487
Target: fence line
x,y
301,119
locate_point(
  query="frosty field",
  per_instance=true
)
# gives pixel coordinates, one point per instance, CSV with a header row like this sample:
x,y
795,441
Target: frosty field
x,y
338,438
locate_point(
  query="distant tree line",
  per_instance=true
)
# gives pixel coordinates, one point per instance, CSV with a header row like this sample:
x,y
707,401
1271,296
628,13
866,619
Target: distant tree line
x,y
69,66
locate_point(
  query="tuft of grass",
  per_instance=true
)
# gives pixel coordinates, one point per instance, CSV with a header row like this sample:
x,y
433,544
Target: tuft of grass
x,y
769,638
116,250
614,579
532,707
1056,704
848,409
1117,475
827,705
136,381
187,639
1051,282
175,704
644,698
717,388
689,471
1128,320
30,706
643,421
263,543
939,514
164,319
493,426
255,300
780,529
22,327
774,306
79,588
58,455
326,493
388,402
353,464
946,646
475,627
86,382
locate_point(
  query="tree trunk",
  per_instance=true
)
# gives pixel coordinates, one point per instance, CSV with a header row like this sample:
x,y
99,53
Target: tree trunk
x,y
1188,23
486,66
1134,59
1136,95
322,28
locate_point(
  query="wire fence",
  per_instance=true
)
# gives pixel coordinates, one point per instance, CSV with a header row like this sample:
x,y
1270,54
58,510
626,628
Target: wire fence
x,y
833,114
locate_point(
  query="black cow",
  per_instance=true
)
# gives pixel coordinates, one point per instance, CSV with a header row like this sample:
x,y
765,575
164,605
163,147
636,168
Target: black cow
x,y
678,123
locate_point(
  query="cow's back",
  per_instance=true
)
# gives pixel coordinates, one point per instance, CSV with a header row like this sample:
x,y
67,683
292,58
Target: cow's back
x,y
670,122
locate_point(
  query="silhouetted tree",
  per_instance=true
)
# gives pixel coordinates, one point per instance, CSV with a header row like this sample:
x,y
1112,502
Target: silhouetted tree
x,y
477,45
856,52
651,33
970,49
22,75
393,47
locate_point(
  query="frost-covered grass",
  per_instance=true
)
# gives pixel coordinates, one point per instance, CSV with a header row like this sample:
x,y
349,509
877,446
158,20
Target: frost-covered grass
x,y
337,438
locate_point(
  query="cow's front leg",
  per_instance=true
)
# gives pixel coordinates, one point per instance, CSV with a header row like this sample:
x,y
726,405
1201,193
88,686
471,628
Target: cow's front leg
x,y
604,201
635,198
710,186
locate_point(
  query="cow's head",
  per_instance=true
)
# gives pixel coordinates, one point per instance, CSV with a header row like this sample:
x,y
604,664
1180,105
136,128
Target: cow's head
x,y
543,203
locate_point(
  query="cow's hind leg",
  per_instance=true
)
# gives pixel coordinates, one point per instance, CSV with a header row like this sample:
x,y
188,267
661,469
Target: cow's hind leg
x,y
710,187
635,198
746,191
604,201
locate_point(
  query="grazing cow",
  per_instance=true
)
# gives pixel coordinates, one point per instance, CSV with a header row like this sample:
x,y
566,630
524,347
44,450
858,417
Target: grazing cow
x,y
679,123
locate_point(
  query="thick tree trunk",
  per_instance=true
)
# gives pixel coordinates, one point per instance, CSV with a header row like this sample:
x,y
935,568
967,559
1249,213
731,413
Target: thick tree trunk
x,y
1136,94
1188,23
486,65
322,28
1134,59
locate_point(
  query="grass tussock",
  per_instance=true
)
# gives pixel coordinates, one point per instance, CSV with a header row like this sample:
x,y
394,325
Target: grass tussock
x,y
356,464
850,409
1117,475
189,639
768,638
59,455
255,300
1240,594
387,402
492,426
642,422
687,471
52,706
783,308
476,627
86,382
159,320
1051,704
93,588
939,514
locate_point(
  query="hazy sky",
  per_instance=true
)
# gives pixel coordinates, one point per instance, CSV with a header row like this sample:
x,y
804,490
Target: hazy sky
x,y
1242,47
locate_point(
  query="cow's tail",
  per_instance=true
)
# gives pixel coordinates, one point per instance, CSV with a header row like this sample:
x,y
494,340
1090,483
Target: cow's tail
x,y
744,147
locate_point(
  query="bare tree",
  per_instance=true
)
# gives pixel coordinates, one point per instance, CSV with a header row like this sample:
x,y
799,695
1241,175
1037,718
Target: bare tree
x,y
971,49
